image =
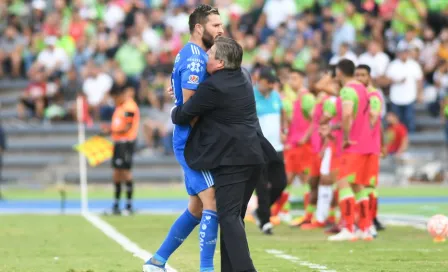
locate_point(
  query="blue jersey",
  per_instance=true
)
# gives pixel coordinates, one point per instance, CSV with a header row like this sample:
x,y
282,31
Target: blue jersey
x,y
189,70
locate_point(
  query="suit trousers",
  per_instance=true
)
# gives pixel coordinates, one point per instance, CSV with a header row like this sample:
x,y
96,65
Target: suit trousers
x,y
234,186
270,188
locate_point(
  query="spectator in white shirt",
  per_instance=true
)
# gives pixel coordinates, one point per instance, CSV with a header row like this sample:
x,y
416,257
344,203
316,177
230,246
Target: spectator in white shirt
x,y
405,76
52,58
96,87
344,53
274,13
376,59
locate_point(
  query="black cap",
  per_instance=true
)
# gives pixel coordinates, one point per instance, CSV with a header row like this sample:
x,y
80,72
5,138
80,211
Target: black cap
x,y
268,74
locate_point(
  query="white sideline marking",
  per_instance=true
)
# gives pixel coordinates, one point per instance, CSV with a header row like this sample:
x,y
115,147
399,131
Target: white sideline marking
x,y
282,255
122,240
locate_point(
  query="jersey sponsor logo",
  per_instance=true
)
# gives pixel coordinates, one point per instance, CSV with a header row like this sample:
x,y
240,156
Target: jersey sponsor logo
x,y
194,59
193,79
195,67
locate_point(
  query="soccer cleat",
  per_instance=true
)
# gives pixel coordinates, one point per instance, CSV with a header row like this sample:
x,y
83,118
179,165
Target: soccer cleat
x,y
116,210
267,229
285,217
153,268
378,225
275,220
299,222
364,235
343,235
128,211
313,225
372,231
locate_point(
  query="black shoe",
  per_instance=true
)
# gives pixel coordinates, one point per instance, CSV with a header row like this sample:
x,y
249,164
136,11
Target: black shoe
x,y
116,210
267,229
378,225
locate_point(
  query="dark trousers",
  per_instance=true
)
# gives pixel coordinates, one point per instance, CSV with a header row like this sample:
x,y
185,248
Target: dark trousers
x,y
406,113
270,188
234,186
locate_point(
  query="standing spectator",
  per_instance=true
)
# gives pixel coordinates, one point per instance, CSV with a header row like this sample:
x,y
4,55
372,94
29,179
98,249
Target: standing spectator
x,y
343,33
344,53
274,13
11,49
406,77
376,59
2,149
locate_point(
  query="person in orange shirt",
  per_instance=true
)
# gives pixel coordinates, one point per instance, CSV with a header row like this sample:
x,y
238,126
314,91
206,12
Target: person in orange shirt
x,y
123,130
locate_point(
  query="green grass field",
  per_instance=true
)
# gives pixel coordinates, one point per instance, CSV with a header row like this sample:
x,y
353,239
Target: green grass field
x,y
70,244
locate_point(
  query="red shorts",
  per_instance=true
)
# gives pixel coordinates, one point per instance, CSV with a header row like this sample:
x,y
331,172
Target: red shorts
x,y
298,159
353,167
373,169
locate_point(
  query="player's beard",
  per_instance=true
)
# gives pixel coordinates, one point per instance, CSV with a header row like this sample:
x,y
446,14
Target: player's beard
x,y
207,39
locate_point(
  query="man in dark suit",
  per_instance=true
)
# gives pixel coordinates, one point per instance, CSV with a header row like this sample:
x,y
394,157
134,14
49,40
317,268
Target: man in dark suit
x,y
227,140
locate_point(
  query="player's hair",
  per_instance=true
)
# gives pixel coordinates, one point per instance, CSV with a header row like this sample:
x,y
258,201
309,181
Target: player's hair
x,y
229,51
364,67
200,15
347,67
297,71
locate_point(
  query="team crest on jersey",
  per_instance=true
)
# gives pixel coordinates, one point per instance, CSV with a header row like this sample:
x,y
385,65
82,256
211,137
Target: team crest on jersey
x,y
193,79
195,67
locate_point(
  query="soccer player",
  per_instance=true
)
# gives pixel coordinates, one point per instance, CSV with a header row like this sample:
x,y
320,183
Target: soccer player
x,y
362,74
272,117
298,142
315,160
356,141
332,145
189,70
123,130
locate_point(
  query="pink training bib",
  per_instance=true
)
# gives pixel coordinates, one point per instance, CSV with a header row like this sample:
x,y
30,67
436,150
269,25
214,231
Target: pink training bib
x,y
299,123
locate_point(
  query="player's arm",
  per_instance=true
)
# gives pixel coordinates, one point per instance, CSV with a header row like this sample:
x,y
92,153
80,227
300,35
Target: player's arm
x,y
375,110
348,96
205,99
129,116
329,112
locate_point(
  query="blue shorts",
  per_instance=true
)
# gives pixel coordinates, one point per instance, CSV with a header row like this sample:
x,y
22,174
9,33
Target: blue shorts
x,y
195,181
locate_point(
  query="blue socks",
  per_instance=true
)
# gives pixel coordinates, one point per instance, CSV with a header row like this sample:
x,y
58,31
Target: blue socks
x,y
179,231
208,233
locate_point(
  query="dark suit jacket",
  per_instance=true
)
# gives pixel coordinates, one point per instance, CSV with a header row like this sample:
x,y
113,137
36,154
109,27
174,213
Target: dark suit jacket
x,y
227,132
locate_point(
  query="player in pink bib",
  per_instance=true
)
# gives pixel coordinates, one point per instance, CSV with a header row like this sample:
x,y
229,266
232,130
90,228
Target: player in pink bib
x,y
356,139
362,74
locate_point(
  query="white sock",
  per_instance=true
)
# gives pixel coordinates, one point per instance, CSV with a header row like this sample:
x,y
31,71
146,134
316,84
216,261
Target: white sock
x,y
324,196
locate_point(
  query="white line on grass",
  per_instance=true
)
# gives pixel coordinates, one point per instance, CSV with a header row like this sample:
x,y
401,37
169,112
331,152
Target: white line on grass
x,y
282,255
122,240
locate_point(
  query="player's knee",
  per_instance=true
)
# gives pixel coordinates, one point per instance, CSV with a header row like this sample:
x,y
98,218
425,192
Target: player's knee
x,y
208,199
195,207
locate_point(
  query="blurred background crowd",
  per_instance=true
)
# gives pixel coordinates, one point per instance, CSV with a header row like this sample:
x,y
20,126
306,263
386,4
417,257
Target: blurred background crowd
x,y
66,48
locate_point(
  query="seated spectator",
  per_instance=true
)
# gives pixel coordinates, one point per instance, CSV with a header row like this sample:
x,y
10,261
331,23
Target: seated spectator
x,y
34,97
444,114
11,48
96,87
396,135
71,86
53,59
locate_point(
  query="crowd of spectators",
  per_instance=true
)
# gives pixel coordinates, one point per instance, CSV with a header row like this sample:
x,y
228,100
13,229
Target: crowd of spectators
x,y
67,48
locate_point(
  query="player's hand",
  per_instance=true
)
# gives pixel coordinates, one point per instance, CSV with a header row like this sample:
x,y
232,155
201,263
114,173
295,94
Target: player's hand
x,y
347,143
283,137
383,152
324,130
301,142
170,91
